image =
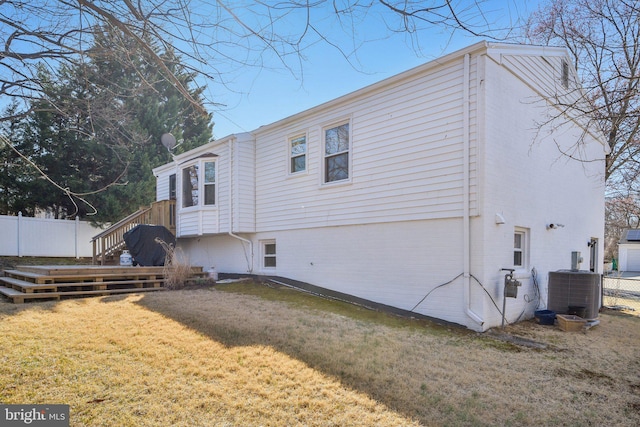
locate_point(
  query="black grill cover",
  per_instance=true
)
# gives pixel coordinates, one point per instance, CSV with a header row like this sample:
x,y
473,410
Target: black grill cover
x,y
141,242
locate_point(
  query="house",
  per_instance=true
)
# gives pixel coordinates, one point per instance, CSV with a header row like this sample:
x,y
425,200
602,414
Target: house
x,y
416,192
629,250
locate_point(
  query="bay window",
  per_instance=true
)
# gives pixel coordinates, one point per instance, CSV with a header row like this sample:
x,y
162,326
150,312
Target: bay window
x,y
199,184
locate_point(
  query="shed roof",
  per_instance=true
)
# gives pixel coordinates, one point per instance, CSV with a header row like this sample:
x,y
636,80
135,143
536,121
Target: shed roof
x,y
630,236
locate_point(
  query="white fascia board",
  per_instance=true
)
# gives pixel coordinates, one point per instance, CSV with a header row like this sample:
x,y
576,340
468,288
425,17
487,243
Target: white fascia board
x,y
496,50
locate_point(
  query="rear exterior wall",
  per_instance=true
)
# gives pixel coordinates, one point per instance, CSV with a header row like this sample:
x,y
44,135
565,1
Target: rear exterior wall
x,y
530,182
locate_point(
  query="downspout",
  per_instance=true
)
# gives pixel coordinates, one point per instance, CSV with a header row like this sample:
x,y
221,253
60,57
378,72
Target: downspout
x,y
466,215
178,203
230,180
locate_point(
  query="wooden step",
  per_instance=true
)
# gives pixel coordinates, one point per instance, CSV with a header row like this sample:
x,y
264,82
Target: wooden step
x,y
26,275
31,282
91,270
29,287
18,297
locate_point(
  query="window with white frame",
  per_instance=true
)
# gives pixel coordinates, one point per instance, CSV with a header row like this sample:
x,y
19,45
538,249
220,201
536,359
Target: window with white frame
x,y
520,243
336,153
209,183
298,154
172,186
190,186
269,254
199,179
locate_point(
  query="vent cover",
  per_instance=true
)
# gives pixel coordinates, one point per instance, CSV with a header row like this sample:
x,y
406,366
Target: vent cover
x,y
574,289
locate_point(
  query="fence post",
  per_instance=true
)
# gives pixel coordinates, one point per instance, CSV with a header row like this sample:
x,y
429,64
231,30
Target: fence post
x,y
19,233
77,229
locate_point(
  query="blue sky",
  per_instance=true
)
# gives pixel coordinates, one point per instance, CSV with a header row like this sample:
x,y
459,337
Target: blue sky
x,y
256,96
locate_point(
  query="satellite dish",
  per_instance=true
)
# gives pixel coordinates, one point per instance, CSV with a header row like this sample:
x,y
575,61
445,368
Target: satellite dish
x,y
168,140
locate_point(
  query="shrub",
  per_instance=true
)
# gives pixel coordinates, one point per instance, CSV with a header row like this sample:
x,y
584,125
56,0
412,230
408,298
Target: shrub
x,y
177,268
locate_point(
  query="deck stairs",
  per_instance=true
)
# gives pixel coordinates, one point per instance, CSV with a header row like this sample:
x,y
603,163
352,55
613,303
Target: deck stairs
x,y
26,283
109,243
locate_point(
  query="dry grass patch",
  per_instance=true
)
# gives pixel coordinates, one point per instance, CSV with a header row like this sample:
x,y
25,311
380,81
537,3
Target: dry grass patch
x,y
436,374
117,363
280,357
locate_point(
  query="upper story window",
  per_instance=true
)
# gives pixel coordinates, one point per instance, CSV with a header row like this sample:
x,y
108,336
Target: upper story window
x,y
209,183
298,154
172,186
199,184
336,153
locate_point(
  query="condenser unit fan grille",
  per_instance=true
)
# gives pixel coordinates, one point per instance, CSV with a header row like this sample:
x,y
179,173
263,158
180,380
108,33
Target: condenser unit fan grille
x,y
574,289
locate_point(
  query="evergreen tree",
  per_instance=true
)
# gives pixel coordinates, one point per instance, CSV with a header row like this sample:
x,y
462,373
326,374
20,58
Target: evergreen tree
x,y
107,127
15,173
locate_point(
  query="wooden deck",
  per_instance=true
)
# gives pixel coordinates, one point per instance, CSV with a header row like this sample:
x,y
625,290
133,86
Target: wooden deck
x,y
29,282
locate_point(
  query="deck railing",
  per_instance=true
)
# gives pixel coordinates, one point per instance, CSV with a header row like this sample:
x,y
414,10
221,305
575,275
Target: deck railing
x,y
111,240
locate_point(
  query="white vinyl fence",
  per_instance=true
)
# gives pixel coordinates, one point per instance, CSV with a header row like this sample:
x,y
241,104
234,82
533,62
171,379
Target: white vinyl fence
x,y
22,236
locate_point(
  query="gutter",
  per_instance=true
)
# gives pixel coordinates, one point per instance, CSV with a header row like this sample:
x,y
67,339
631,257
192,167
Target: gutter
x,y
466,215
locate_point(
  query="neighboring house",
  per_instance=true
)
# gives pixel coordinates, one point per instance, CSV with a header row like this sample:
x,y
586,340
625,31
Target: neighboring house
x,y
629,250
414,192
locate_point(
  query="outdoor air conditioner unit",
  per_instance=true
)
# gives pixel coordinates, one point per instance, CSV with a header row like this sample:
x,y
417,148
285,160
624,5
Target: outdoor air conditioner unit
x,y
571,291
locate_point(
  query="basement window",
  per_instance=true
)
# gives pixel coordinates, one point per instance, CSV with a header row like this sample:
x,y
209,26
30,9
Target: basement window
x,y
520,251
269,254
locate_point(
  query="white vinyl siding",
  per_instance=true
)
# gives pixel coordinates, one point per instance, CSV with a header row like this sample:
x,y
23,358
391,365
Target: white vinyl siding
x,y
229,184
163,191
406,158
545,76
244,186
406,189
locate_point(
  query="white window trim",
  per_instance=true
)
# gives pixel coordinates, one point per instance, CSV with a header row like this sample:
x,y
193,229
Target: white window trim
x,y
322,168
525,249
180,188
290,138
263,254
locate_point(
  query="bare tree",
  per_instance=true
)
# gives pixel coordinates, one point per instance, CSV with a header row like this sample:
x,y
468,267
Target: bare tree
x,y
603,36
622,213
213,36
214,39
